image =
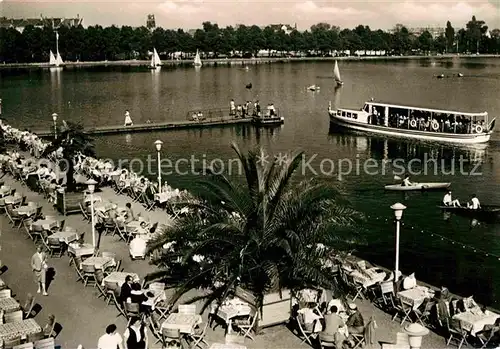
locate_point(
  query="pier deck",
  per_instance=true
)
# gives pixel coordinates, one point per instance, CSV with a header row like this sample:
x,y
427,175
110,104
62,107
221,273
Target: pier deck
x,y
171,125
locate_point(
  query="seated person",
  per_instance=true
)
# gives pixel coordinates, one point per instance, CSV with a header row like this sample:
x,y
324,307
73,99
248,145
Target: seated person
x,y
136,295
355,323
138,247
126,289
331,332
474,204
406,181
311,317
129,214
338,304
448,200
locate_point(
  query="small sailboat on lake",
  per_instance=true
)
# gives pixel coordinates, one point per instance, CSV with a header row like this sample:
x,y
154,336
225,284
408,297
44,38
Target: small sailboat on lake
x,y
336,75
155,61
197,60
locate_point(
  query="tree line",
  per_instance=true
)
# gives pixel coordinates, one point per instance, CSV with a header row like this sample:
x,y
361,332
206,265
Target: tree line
x,y
96,43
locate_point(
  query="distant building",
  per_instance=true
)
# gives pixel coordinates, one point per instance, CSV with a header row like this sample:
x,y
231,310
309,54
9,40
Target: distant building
x,y
417,31
287,28
150,22
43,22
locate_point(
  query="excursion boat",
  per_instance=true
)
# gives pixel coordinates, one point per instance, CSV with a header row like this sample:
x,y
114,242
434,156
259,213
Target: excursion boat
x,y
415,122
417,186
487,213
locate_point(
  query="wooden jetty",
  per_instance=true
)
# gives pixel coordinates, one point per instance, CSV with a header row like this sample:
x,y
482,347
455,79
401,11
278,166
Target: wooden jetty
x,y
208,118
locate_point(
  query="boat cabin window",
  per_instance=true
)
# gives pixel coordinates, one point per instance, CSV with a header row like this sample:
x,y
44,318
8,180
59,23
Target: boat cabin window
x,y
354,115
366,108
348,115
343,113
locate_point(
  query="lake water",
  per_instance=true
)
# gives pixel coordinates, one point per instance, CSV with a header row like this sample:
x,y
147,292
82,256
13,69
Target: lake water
x,y
99,96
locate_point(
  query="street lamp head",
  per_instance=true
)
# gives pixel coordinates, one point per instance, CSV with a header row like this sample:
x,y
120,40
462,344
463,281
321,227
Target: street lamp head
x,y
398,210
91,184
158,144
54,117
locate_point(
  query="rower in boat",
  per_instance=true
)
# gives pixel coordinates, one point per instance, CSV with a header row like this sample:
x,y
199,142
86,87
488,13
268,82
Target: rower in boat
x,y
474,204
128,119
448,200
406,182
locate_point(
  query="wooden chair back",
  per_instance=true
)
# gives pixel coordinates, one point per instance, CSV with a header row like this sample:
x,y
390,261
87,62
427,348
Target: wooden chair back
x,y
11,343
24,346
15,316
48,343
187,309
7,293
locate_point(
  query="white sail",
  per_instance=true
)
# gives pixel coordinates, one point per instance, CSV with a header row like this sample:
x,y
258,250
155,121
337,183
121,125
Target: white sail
x,y
157,60
197,60
59,60
336,73
52,59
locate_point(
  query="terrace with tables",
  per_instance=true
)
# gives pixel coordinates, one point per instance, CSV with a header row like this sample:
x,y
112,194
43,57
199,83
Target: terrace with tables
x,y
85,283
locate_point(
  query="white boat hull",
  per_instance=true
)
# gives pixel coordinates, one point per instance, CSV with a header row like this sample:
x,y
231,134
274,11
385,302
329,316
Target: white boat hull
x,y
457,138
417,186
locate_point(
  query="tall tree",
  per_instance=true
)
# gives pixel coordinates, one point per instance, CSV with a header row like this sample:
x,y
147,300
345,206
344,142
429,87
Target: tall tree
x,y
73,141
475,30
263,235
450,36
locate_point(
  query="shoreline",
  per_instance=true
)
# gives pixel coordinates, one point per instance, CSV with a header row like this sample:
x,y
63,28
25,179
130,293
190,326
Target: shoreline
x,y
238,61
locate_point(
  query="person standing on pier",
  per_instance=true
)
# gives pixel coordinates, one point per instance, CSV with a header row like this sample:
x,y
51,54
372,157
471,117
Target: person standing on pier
x,y
128,119
232,108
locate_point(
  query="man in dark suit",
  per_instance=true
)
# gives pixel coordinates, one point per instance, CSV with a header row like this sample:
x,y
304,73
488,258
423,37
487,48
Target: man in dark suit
x,y
126,289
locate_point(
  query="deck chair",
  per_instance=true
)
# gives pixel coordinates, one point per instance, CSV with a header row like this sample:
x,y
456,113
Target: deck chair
x,y
119,307
24,346
121,230
457,333
386,294
424,316
99,278
77,262
402,309
35,337
111,288
486,337
357,287
155,328
49,326
48,343
131,310
55,247
88,272
305,334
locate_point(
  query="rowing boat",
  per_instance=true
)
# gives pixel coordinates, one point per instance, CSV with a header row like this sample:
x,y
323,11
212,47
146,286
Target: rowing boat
x,y
417,186
485,213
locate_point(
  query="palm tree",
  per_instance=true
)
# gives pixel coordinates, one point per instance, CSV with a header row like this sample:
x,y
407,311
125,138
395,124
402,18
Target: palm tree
x,y
73,140
265,236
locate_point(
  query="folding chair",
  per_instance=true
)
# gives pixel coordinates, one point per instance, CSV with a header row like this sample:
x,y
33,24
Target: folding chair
x,y
121,230
28,306
111,288
12,342
187,309
305,334
486,337
402,309
457,333
199,338
119,307
359,339
88,274
155,328
357,286
24,346
15,316
423,316
387,294
171,336
247,325
131,310
84,213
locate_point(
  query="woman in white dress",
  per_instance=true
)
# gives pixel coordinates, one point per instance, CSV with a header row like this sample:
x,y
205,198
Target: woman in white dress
x,y
128,119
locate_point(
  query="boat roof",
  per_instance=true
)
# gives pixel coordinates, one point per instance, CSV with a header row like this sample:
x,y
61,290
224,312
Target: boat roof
x,y
384,104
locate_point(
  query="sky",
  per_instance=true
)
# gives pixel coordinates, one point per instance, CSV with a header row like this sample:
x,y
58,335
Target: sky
x,y
189,14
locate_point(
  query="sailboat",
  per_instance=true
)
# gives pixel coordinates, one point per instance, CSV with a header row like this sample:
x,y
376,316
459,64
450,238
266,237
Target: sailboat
x,y
197,60
55,61
336,74
52,59
155,60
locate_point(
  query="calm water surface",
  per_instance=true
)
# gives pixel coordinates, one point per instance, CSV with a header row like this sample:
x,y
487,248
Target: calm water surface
x,y
100,96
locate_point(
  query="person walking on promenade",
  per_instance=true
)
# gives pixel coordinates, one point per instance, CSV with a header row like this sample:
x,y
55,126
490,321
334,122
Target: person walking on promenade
x,y
136,336
128,119
111,339
39,267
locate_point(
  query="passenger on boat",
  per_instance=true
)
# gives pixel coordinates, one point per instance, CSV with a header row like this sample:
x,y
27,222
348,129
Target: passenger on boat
x,y
128,119
406,181
200,116
272,110
474,203
194,117
448,200
238,110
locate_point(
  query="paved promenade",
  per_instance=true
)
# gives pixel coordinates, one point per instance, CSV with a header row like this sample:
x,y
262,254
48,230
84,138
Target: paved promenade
x,y
84,316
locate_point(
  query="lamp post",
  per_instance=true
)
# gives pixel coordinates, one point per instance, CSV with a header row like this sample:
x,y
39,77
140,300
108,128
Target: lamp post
x,y
54,118
91,184
158,144
398,213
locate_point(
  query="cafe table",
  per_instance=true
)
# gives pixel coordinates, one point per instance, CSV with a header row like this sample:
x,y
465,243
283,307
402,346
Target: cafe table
x,y
81,250
162,197
158,296
119,278
474,320
46,224
9,305
185,323
65,236
99,262
368,277
21,329
415,296
13,200
26,210
227,346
